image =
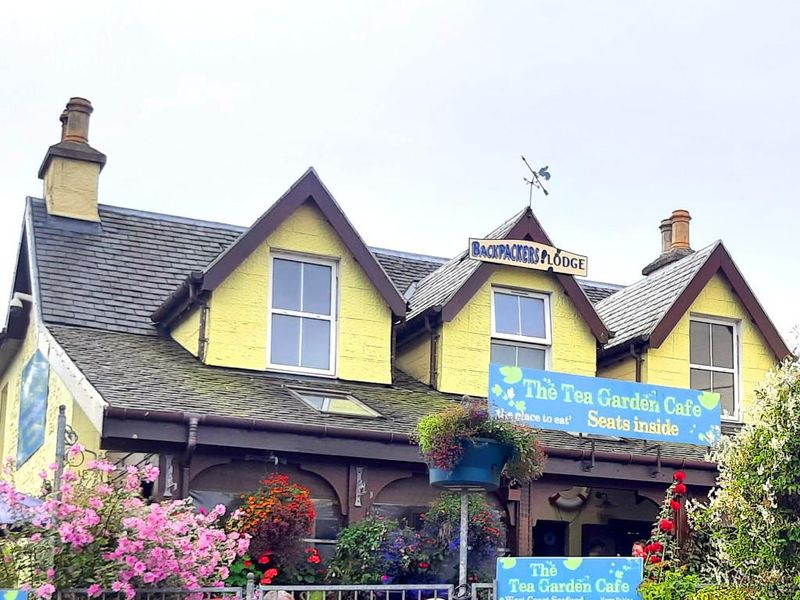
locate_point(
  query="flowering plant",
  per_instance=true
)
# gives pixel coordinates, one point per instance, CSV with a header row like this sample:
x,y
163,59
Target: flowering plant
x,y
441,438
97,533
277,517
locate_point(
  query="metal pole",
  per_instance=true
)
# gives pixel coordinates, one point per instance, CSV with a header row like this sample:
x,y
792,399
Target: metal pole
x,y
61,434
462,550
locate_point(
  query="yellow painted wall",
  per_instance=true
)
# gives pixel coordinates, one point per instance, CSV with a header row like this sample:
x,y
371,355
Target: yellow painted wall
x,y
465,342
27,477
237,323
669,364
415,359
70,188
624,369
187,332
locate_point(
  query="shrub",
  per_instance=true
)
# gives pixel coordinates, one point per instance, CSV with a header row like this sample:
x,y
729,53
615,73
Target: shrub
x,y
754,513
674,585
441,438
276,517
721,593
358,558
100,534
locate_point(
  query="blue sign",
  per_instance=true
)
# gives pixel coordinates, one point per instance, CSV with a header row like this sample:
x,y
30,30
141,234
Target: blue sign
x,y
32,406
569,578
13,595
593,405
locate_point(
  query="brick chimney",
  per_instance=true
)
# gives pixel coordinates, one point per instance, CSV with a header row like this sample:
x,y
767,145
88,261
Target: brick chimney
x,y
674,241
71,168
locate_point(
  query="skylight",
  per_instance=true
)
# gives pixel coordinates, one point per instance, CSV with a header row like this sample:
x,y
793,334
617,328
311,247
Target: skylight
x,y
336,403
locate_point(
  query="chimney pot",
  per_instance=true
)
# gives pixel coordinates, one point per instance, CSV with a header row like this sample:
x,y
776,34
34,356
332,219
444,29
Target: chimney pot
x,y
680,230
666,235
77,113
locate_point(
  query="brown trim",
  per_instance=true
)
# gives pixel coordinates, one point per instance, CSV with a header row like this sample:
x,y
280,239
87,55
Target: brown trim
x,y
143,426
307,188
720,260
528,227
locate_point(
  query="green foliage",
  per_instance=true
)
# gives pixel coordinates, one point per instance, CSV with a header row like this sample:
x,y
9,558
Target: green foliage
x,y
441,438
715,592
754,514
674,585
357,559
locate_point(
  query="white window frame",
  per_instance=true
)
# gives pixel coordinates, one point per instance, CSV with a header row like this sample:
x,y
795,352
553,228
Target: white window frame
x,y
735,371
545,343
298,392
332,318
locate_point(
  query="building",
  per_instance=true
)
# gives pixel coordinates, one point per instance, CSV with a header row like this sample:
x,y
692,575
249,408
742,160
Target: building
x,y
222,353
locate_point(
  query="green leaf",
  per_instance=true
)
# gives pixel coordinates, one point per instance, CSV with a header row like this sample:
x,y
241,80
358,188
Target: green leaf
x,y
709,400
511,375
497,390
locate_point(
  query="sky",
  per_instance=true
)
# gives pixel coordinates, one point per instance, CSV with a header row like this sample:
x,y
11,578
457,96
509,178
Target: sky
x,y
415,115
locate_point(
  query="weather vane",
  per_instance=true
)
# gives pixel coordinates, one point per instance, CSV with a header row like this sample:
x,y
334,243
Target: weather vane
x,y
536,180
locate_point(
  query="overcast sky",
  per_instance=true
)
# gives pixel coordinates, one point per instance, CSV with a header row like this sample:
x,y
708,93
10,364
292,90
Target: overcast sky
x,y
415,114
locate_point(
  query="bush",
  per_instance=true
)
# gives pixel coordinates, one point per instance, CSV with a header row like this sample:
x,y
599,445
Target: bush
x,y
98,533
358,559
674,585
720,593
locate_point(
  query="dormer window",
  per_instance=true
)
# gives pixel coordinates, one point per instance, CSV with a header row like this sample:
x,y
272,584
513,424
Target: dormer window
x,y
302,308
521,333
714,362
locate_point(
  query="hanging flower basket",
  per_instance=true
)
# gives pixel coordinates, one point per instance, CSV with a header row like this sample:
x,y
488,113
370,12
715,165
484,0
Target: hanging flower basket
x,y
480,467
466,448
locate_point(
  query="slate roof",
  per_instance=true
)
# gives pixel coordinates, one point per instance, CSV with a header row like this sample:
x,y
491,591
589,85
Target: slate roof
x,y
154,373
634,311
438,287
115,274
596,290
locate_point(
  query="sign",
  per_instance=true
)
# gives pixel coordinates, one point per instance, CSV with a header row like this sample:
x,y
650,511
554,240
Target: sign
x,y
530,255
593,405
13,594
32,406
574,578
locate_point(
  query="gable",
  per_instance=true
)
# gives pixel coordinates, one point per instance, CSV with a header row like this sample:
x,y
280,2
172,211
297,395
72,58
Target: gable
x,y
448,289
238,328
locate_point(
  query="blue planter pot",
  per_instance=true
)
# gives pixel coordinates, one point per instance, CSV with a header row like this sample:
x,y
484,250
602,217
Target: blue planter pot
x,y
479,468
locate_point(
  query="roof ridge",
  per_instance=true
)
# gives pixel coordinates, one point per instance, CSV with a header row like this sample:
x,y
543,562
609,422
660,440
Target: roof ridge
x,y
412,255
161,216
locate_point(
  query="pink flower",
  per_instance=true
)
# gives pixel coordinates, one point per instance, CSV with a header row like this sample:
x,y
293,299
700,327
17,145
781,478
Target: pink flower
x,y
75,450
94,590
46,590
150,473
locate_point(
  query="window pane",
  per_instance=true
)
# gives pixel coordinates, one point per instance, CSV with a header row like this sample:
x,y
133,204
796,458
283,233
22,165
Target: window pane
x,y
317,402
286,284
722,345
503,354
285,340
700,380
723,385
530,358
316,289
699,343
506,313
532,317
346,406
316,344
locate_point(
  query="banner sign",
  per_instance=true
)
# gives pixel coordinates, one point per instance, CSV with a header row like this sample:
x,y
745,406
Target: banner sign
x,y
32,406
594,578
531,255
593,405
13,595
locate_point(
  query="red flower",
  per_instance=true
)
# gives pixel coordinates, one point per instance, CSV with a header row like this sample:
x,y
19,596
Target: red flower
x,y
270,573
655,559
265,581
248,564
263,559
679,476
675,505
655,547
666,525
314,559
423,565
679,489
